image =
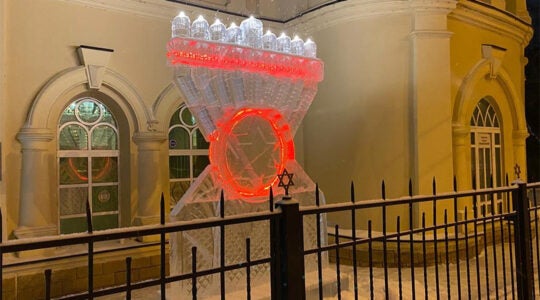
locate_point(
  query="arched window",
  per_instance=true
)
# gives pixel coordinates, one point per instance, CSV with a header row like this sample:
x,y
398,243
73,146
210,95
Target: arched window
x,y
188,152
486,153
88,166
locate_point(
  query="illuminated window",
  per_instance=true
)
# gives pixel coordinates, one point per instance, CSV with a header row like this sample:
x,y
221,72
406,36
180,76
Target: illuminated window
x,y
188,152
88,166
486,153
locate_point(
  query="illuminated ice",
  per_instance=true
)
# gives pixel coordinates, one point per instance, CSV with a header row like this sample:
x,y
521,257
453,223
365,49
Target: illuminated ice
x,y
200,29
269,41
235,34
249,103
217,31
310,48
253,31
181,26
297,46
283,43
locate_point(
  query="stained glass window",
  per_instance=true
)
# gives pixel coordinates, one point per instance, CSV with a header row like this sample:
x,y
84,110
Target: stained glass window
x,y
486,154
188,152
87,166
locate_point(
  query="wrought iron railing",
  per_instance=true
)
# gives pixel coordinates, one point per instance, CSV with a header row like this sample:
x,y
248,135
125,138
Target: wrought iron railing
x,y
433,258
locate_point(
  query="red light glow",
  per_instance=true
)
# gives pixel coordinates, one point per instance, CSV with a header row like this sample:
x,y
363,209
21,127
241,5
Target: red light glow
x,y
102,172
249,149
200,53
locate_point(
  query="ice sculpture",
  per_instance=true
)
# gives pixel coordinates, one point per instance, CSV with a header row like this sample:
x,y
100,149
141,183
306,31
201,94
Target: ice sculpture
x,y
249,92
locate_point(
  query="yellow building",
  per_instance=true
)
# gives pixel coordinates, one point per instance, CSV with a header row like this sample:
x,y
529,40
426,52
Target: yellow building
x,y
419,90
413,89
532,95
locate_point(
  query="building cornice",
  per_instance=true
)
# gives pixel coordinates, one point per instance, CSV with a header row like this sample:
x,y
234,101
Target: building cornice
x,y
431,34
341,12
470,12
147,8
494,20
149,140
353,10
36,139
157,9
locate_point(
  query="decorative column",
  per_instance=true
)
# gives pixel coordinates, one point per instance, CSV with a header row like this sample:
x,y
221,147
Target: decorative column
x,y
522,11
462,149
3,109
462,164
149,176
36,204
519,138
430,97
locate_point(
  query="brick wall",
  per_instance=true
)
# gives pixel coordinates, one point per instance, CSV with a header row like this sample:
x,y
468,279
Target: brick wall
x,y
30,284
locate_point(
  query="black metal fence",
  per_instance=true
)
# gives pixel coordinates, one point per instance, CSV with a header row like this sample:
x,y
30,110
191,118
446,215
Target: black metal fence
x,y
496,262
476,253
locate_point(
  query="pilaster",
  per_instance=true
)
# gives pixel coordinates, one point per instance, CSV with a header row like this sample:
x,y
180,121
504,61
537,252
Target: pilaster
x,y
430,94
519,142
522,12
35,212
149,181
462,162
430,98
461,151
3,109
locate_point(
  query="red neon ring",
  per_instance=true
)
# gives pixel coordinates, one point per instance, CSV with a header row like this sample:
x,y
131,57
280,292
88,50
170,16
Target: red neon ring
x,y
218,148
100,174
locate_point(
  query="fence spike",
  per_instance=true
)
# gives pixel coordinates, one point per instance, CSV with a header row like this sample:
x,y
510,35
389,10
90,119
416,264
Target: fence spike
x,y
317,195
352,192
455,184
410,187
1,255
248,269
271,198
474,182
162,247
1,226
89,216
383,190
398,244
128,278
48,275
491,180
434,186
506,178
370,259
162,209
222,204
194,272
338,270
424,253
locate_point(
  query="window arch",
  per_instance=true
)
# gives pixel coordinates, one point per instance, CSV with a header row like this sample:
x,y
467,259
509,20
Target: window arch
x,y
188,152
88,152
486,153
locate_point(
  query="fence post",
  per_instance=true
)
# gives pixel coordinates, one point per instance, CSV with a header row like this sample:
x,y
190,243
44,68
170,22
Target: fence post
x,y
522,235
287,269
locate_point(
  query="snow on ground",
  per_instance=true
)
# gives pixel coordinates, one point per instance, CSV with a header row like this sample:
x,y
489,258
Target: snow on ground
x,y
491,286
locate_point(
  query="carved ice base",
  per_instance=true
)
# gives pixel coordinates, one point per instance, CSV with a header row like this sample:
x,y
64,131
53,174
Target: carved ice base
x,y
207,242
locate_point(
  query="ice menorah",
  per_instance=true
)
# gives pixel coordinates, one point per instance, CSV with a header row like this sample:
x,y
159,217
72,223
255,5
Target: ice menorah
x,y
249,92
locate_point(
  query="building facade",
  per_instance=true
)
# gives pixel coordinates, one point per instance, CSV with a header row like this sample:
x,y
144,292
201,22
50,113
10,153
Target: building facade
x,y
532,95
413,89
